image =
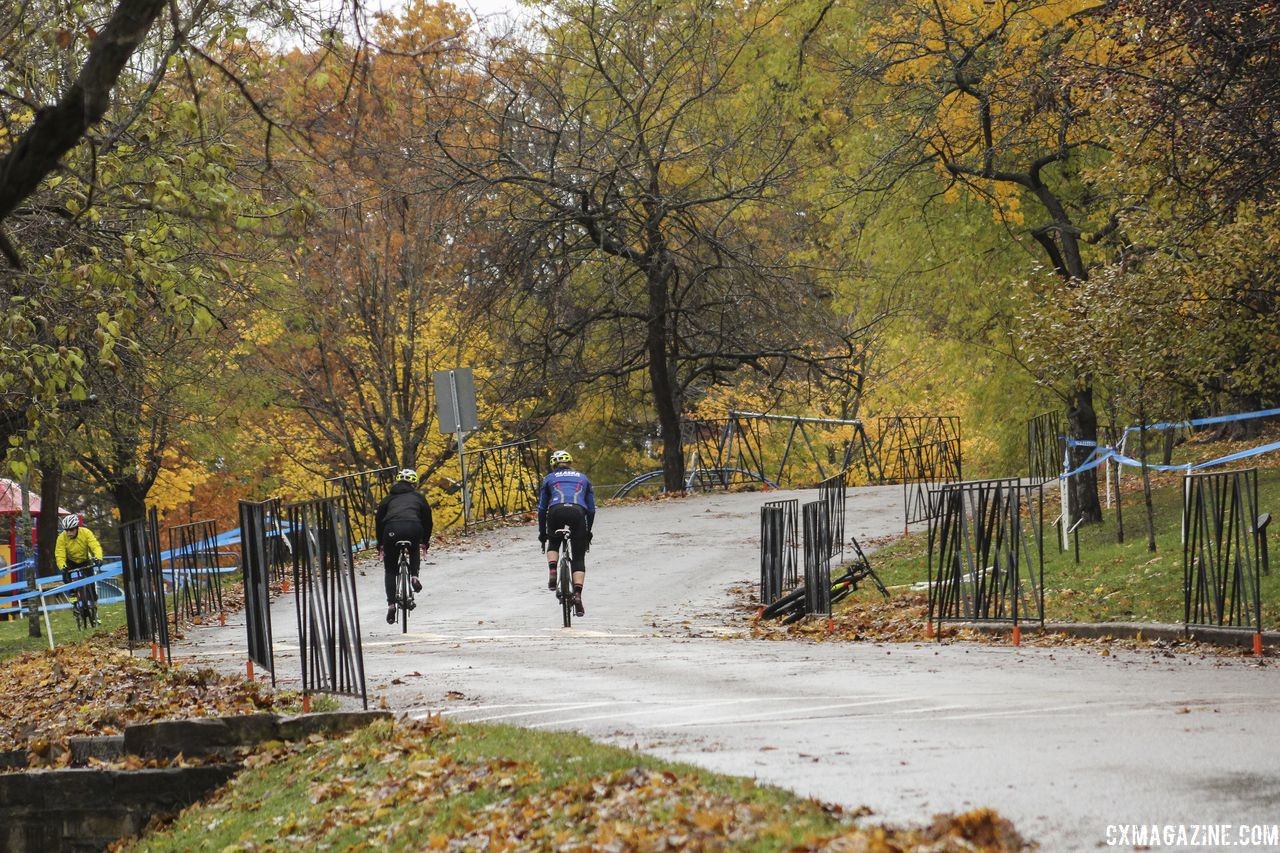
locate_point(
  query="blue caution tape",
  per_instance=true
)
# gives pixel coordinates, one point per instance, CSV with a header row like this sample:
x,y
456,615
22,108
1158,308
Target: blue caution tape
x,y
1103,454
106,574
1217,419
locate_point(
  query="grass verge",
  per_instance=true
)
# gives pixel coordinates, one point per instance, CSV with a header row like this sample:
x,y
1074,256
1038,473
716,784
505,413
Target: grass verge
x,y
437,786
15,633
1112,581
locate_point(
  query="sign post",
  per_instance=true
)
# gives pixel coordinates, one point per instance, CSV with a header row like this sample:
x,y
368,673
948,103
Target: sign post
x,y
456,409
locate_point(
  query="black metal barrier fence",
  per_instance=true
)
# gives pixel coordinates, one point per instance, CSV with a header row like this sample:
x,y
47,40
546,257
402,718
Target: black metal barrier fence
x,y
258,544
361,493
142,573
748,447
831,493
1044,447
924,467
817,557
897,434
503,480
279,546
193,567
1224,540
779,548
325,595
820,525
982,567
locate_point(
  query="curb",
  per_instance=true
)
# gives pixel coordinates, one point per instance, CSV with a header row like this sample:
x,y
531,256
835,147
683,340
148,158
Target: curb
x,y
1132,631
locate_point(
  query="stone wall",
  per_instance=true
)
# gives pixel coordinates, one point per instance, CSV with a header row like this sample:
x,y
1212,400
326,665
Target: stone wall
x,y
87,808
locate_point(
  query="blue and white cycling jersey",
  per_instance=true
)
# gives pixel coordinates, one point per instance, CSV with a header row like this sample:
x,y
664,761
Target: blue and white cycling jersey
x,y
566,486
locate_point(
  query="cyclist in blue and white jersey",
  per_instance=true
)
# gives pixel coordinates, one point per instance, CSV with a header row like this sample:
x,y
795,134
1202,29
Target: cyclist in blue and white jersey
x,y
566,498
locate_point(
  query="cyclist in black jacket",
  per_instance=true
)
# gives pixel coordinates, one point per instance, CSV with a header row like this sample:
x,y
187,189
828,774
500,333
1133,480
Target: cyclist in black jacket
x,y
403,516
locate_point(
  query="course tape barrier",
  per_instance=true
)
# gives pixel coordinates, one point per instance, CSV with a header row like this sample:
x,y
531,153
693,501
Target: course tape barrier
x,y
109,571
1217,419
1102,454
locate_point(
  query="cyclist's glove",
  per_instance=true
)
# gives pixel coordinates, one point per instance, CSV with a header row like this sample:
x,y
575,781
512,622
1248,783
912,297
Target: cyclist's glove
x,y
588,545
66,576
97,565
542,541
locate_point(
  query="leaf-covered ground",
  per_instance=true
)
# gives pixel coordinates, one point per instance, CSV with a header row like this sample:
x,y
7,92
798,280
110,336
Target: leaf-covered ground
x,y
904,619
97,688
433,786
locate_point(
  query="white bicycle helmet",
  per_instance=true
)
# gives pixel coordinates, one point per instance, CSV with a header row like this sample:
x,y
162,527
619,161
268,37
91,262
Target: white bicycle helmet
x,y
69,523
561,457
407,475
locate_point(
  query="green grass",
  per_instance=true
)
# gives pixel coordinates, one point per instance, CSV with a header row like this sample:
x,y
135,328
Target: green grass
x,y
1113,582
14,637
336,793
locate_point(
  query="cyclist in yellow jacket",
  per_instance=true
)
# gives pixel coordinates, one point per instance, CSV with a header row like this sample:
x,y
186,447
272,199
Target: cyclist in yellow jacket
x,y
76,549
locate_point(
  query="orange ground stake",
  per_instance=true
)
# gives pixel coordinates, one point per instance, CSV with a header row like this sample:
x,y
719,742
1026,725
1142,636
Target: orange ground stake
x,y
831,627
222,617
760,612
1017,635
928,630
306,703
1257,644
248,668
155,654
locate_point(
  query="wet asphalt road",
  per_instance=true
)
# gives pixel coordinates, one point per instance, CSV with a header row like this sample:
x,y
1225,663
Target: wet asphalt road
x,y
1063,741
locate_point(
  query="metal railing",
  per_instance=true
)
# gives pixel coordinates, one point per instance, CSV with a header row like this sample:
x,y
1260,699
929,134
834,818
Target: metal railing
x,y
981,567
194,569
361,492
503,480
325,598
1223,545
142,572
779,548
258,544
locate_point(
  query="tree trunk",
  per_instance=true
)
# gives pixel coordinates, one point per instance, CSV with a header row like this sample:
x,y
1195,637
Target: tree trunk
x,y
1119,507
1146,480
47,526
1082,423
661,376
24,552
131,500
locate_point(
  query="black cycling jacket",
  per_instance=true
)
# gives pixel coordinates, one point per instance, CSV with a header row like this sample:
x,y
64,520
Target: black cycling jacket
x,y
404,503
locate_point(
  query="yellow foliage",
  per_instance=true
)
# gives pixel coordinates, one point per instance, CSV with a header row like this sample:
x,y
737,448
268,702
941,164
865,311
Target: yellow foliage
x,y
176,482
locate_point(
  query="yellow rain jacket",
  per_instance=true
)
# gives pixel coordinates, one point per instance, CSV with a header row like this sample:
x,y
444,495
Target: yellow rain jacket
x,y
79,549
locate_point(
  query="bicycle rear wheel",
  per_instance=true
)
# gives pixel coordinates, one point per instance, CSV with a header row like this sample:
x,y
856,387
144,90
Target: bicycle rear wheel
x,y
566,588
403,595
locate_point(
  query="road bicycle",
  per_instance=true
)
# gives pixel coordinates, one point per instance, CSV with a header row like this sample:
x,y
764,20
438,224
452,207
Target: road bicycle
x,y
564,576
404,586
